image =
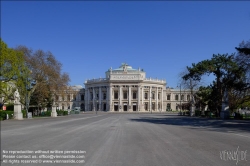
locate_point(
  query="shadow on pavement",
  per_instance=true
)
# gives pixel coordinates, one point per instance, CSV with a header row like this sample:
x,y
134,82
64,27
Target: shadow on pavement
x,y
197,123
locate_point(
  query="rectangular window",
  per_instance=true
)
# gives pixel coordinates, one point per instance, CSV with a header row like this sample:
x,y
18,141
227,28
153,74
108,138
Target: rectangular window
x,y
134,95
168,97
146,95
153,95
125,96
116,95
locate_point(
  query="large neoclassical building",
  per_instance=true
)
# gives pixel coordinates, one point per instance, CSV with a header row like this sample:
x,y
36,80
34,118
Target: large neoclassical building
x,y
126,89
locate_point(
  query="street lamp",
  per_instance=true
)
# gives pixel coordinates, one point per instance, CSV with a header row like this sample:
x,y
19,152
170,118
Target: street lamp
x,y
29,84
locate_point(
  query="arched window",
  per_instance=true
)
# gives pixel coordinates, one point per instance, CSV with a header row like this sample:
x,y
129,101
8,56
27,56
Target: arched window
x,y
176,97
82,107
168,107
153,106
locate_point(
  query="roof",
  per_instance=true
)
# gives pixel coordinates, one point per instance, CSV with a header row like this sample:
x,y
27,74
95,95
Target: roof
x,y
77,87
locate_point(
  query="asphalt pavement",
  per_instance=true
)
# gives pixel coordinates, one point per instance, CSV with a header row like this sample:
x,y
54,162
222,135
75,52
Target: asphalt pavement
x,y
108,139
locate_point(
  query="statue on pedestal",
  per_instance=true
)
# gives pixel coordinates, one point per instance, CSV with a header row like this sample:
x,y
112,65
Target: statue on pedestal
x,y
224,114
17,106
16,97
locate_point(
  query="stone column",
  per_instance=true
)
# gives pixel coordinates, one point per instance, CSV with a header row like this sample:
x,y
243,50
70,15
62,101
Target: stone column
x,y
93,99
138,97
161,99
110,98
157,99
100,97
150,98
129,99
89,99
120,99
142,99
107,98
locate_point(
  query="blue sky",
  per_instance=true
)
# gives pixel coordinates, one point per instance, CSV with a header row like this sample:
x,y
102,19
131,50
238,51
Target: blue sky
x,y
161,37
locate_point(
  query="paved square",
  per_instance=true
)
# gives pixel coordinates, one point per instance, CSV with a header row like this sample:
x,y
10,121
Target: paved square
x,y
110,139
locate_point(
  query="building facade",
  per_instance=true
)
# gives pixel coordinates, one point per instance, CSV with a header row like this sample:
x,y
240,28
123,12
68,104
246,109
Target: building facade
x,y
127,89
124,90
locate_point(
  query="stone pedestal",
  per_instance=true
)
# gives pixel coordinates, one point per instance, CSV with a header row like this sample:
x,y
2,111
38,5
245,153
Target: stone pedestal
x,y
18,111
53,112
225,114
192,111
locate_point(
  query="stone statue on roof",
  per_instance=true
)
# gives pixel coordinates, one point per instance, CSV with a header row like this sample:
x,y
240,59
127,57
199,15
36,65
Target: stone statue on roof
x,y
124,67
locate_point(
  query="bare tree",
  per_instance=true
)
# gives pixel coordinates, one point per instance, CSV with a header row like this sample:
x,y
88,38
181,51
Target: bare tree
x,y
47,72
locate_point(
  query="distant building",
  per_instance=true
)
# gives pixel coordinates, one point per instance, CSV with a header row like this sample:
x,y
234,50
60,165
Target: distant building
x,y
124,89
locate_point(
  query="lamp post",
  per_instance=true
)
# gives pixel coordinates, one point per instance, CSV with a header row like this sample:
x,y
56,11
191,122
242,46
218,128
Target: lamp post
x,y
28,86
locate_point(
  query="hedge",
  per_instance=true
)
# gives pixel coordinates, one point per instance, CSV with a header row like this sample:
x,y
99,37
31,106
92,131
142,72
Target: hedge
x,y
3,114
61,112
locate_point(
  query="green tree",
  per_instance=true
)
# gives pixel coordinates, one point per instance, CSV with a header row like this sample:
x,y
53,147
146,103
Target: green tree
x,y
227,72
12,67
241,96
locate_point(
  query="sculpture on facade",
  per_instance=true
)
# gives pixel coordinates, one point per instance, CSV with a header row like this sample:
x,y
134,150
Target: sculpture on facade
x,y
124,67
16,97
